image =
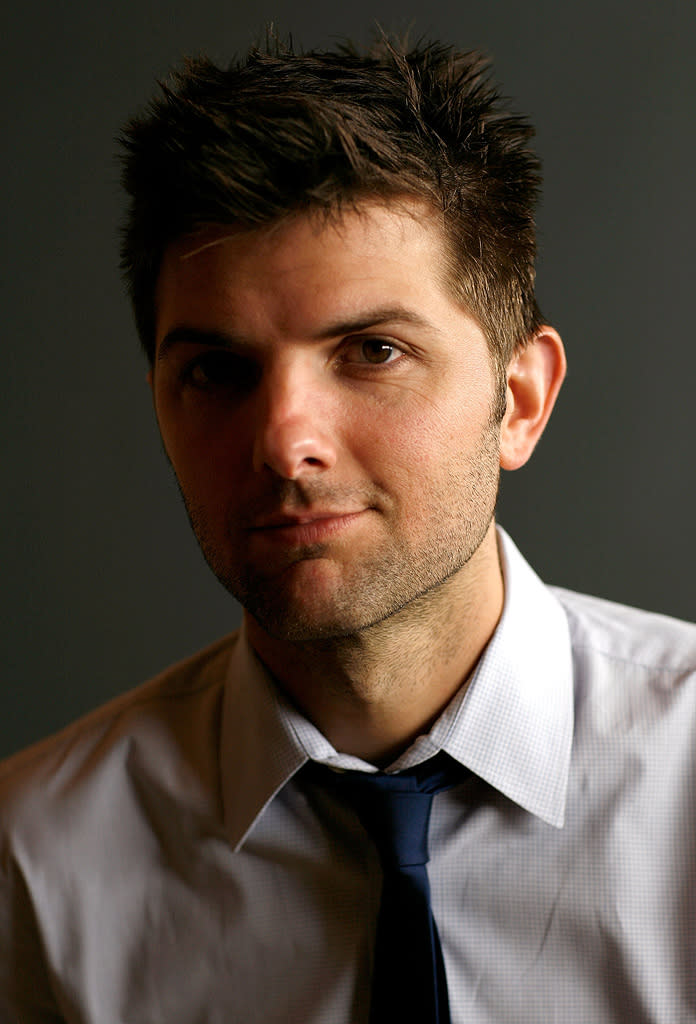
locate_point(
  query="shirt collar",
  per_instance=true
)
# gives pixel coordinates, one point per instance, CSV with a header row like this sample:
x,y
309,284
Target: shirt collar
x,y
259,748
511,725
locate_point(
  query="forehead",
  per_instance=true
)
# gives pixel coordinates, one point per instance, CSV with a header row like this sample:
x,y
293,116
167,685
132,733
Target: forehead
x,y
307,268
363,222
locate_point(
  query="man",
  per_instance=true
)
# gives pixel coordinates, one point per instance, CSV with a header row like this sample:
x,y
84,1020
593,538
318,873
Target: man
x,y
331,260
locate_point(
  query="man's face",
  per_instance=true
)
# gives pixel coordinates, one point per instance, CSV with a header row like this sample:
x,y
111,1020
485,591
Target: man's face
x,y
326,407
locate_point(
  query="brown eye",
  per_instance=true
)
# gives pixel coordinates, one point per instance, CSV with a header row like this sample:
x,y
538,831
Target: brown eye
x,y
375,350
220,372
198,376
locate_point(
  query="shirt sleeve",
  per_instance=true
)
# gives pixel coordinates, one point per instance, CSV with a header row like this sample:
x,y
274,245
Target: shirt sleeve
x,y
26,995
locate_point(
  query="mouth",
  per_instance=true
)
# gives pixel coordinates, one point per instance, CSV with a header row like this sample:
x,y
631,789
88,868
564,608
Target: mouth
x,y
303,529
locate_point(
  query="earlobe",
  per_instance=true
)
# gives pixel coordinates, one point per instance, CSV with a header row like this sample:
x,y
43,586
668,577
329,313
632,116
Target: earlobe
x,y
534,378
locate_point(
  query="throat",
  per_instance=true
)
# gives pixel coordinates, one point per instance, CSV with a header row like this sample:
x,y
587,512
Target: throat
x,y
373,697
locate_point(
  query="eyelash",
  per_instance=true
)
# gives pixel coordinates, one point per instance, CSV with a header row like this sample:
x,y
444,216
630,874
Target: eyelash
x,y
361,341
223,370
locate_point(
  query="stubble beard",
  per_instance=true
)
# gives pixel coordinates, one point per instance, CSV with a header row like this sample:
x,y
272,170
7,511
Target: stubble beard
x,y
399,576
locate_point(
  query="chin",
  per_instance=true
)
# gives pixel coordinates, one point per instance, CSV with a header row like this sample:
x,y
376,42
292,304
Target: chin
x,y
299,622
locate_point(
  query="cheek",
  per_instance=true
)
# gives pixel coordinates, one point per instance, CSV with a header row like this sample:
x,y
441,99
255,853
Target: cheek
x,y
204,457
424,437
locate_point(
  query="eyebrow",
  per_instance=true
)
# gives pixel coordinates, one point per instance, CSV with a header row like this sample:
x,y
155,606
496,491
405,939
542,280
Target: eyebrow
x,y
185,335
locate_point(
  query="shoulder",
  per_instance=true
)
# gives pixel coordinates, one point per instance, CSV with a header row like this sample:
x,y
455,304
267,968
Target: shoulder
x,y
172,713
123,786
622,633
634,677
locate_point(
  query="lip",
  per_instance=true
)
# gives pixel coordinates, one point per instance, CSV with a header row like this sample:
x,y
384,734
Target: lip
x,y
308,528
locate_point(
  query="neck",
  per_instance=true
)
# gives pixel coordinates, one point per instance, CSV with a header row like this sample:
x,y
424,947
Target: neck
x,y
372,693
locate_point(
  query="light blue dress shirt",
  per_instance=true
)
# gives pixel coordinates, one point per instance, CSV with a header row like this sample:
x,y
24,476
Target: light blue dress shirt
x,y
165,861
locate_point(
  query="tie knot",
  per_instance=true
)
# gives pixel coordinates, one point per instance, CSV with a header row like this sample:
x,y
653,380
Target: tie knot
x,y
395,817
395,809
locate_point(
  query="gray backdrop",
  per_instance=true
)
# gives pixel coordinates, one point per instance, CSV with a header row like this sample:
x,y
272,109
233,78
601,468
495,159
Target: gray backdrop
x,y
103,584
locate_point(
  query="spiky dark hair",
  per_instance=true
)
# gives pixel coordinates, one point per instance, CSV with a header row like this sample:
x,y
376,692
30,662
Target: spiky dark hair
x,y
279,133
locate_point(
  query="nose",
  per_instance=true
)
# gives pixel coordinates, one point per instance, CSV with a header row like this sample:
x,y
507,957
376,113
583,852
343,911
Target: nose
x,y
294,429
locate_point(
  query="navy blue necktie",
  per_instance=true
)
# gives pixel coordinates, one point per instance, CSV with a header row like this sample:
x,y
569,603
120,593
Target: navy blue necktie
x,y
409,981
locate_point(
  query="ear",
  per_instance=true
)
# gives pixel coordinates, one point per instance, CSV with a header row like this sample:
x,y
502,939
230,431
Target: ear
x,y
534,378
